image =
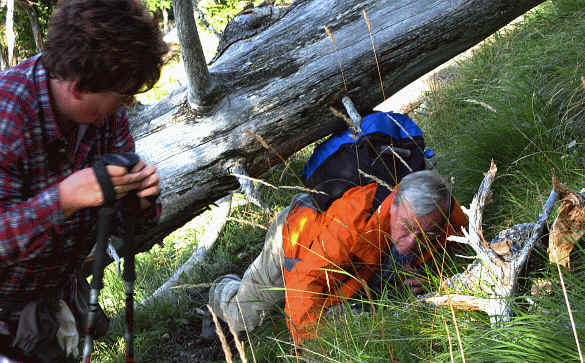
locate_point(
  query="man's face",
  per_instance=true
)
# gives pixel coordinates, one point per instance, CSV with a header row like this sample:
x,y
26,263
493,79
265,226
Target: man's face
x,y
406,229
93,107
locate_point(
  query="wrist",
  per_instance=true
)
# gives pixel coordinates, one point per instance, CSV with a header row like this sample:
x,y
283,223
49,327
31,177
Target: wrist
x,y
65,203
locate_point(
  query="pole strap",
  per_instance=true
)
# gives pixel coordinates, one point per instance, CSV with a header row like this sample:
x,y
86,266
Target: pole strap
x,y
103,178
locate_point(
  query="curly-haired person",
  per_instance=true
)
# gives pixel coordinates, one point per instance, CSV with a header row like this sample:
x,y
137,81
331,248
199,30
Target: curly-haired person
x,y
59,111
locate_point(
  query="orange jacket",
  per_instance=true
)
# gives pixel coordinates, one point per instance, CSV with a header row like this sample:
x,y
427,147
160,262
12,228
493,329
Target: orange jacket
x,y
330,256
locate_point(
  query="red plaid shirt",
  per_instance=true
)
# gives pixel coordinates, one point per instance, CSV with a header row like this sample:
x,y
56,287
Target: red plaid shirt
x,y
38,247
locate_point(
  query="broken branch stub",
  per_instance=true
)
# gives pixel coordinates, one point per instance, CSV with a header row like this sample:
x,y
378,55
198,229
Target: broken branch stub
x,y
493,275
353,114
475,216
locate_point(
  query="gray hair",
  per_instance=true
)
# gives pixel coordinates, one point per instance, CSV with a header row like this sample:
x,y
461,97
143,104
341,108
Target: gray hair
x,y
424,191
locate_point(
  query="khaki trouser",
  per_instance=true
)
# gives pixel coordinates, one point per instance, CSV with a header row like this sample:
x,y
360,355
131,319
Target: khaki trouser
x,y
245,302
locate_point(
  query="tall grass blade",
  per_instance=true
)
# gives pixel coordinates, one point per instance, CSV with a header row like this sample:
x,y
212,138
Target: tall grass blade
x,y
458,334
375,55
224,345
570,313
336,55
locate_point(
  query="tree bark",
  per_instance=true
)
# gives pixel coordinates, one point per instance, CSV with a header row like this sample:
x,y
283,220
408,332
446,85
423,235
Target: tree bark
x,y
270,91
193,58
165,15
10,36
3,58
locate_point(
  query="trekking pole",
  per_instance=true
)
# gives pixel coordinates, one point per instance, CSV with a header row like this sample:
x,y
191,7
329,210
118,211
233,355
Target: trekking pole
x,y
105,213
103,226
132,205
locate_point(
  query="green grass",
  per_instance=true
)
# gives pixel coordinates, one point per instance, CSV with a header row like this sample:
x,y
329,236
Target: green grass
x,y
518,99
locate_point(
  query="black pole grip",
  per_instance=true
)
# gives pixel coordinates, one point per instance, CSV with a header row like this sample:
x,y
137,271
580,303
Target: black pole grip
x,y
131,207
103,227
105,182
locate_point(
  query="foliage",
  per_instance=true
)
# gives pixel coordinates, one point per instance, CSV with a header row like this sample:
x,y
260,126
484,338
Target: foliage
x,y
219,12
25,44
155,5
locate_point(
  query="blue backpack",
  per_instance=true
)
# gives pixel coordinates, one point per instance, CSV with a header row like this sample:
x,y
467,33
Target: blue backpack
x,y
390,146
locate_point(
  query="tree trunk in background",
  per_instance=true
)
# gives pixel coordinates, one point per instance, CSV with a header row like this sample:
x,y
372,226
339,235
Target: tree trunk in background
x,y
277,80
34,25
10,36
165,14
3,59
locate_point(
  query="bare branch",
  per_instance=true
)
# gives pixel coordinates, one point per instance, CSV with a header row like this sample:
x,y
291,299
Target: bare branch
x,y
476,239
537,231
457,239
192,52
247,186
201,16
356,118
217,219
461,302
494,273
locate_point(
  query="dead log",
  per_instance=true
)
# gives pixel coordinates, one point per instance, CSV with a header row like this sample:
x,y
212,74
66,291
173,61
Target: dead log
x,y
277,85
491,280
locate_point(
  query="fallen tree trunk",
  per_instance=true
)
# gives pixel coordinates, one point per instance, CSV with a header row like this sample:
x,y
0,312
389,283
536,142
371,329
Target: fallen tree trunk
x,y
276,84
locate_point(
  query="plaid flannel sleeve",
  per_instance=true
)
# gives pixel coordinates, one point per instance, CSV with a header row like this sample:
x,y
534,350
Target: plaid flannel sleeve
x,y
25,225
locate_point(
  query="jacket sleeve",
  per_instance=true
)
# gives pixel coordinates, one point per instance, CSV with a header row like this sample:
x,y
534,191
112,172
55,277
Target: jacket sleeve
x,y
315,283
305,296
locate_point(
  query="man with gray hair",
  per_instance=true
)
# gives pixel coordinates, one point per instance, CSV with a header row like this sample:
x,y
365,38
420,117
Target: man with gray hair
x,y
313,260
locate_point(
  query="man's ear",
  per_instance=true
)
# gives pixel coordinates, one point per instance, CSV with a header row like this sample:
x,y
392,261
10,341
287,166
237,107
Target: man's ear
x,y
74,90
